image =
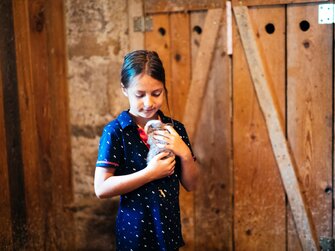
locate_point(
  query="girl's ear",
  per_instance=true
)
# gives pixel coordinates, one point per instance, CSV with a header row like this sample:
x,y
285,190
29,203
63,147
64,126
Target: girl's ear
x,y
124,90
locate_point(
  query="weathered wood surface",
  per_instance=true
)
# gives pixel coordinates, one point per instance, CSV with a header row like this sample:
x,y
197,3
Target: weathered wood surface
x,y
60,147
158,6
159,40
13,188
46,153
271,2
136,39
180,62
259,199
281,149
6,240
212,145
201,69
309,112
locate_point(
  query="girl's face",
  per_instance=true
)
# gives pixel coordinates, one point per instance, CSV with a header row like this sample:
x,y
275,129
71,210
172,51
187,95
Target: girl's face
x,y
146,96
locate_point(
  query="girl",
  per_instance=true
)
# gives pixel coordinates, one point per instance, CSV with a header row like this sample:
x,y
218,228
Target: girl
x,y
149,214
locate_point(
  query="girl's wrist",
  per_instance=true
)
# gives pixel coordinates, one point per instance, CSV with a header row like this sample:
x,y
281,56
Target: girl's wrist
x,y
187,156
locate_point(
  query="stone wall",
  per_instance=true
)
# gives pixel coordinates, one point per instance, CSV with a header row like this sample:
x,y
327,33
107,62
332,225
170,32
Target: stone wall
x,y
97,39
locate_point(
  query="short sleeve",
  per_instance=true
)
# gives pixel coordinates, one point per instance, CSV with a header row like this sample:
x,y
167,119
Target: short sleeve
x,y
110,149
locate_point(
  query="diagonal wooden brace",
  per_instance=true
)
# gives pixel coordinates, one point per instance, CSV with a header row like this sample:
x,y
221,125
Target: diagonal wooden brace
x,y
281,148
201,70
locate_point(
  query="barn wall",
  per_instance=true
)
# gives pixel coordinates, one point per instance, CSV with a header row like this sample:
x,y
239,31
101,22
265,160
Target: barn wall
x,y
97,39
56,97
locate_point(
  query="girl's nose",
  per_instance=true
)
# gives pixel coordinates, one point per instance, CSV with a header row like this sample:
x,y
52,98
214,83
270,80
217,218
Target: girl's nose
x,y
148,102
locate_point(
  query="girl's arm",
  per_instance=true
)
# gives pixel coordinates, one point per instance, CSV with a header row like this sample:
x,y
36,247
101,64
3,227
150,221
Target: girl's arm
x,y
107,185
189,168
189,171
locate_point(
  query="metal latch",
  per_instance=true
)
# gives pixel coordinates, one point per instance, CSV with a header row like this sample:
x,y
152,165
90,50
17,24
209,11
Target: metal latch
x,y
142,24
326,13
327,244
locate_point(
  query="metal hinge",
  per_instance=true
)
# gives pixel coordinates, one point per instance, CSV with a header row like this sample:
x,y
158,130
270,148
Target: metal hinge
x,y
326,13
142,24
327,244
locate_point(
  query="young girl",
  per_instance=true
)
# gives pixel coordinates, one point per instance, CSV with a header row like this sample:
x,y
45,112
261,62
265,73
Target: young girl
x,y
149,214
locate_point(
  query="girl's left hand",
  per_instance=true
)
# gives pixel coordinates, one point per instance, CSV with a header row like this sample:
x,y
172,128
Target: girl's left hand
x,y
173,142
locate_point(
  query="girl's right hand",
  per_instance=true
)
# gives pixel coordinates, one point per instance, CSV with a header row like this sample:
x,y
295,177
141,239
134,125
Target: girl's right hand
x,y
160,166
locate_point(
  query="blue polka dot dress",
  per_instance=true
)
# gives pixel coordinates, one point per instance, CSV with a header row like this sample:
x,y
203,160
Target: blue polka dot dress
x,y
148,217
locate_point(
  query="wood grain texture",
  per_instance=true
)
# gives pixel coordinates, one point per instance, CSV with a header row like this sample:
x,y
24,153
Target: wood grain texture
x,y
60,147
14,171
159,40
6,240
309,94
212,146
259,199
281,149
40,49
180,62
158,6
136,39
201,70
271,2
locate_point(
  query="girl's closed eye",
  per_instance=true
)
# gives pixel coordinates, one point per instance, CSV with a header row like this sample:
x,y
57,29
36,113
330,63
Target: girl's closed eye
x,y
157,93
139,94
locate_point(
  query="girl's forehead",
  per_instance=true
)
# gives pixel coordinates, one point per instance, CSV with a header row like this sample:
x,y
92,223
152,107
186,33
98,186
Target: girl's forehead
x,y
145,82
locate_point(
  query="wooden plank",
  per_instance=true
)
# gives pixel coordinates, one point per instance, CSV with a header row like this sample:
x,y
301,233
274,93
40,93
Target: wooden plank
x,y
40,48
281,148
136,39
12,130
259,198
36,220
158,6
201,70
159,40
271,2
309,94
6,240
180,62
213,198
62,234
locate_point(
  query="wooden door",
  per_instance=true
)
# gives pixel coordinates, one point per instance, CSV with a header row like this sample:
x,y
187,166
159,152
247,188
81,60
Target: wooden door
x,y
298,60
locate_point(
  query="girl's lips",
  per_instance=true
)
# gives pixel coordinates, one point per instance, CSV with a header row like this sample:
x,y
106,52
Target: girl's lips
x,y
149,110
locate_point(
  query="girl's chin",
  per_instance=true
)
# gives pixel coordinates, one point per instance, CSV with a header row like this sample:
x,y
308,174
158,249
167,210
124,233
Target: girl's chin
x,y
148,114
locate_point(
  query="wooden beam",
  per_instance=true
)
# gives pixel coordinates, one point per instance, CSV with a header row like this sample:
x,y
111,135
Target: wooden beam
x,y
200,71
285,161
271,2
14,186
6,241
159,6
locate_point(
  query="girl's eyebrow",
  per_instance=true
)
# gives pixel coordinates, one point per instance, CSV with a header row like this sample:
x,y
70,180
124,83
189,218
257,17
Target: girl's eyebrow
x,y
156,90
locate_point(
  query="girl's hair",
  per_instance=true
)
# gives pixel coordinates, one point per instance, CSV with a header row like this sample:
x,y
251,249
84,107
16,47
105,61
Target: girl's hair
x,y
143,62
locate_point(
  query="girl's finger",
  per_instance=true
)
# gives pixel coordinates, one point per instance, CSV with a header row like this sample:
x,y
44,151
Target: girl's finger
x,y
171,130
162,155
